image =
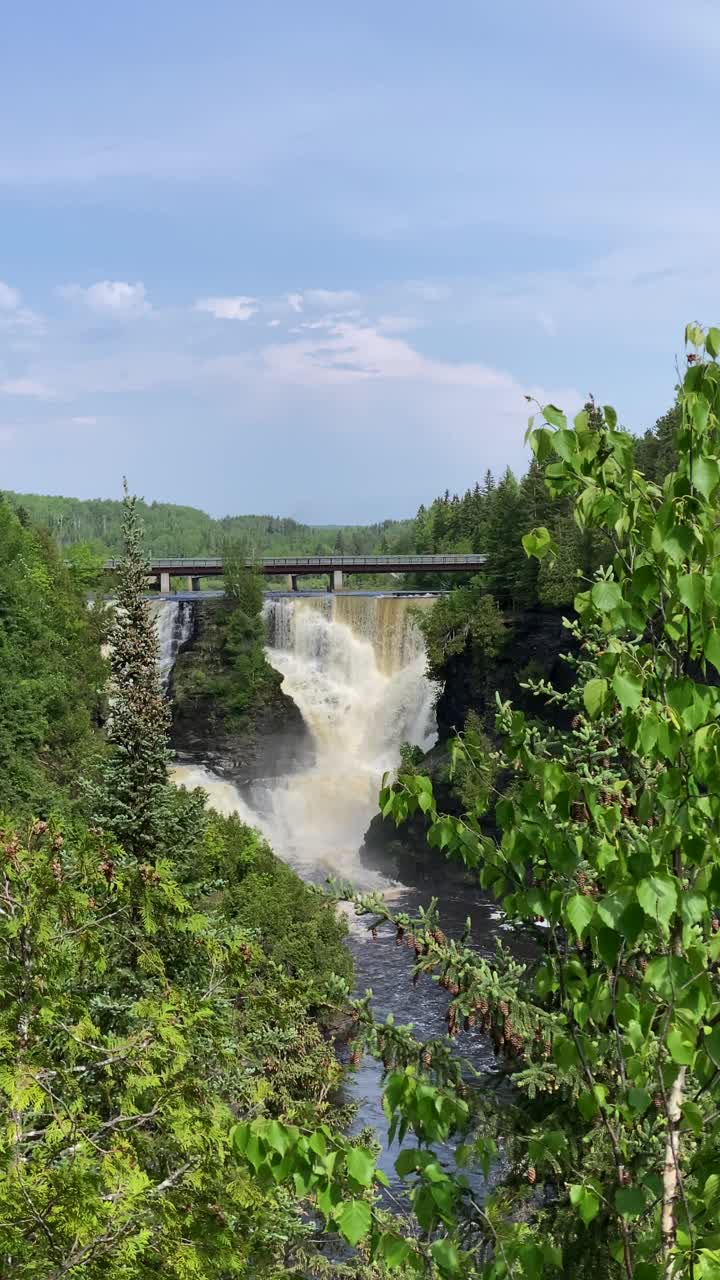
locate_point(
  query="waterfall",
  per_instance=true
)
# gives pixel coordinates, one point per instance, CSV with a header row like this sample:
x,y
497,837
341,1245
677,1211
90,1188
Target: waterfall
x,y
174,627
355,666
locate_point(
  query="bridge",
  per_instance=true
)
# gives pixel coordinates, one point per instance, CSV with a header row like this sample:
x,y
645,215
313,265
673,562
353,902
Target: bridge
x,y
293,567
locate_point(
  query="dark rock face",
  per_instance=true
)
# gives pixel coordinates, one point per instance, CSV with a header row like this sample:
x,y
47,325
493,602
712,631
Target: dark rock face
x,y
266,739
403,852
534,647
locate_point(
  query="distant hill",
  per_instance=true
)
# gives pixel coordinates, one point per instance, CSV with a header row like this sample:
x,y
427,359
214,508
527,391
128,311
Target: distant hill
x,y
187,531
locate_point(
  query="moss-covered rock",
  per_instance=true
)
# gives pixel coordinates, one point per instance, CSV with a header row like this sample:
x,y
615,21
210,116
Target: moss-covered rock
x,y
228,705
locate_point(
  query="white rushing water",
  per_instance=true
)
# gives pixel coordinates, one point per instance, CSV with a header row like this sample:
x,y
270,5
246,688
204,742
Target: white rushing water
x,y
355,668
174,626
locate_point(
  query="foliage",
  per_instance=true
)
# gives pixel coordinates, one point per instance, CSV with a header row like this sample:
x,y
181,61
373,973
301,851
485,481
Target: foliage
x,y
225,677
133,783
295,926
656,453
465,616
411,757
611,841
242,584
474,768
141,1017
186,531
135,1029
51,671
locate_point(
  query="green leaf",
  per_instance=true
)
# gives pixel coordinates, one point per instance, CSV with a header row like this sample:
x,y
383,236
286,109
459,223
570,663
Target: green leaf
x,y
712,342
639,1100
678,542
393,1249
628,686
537,542
317,1143
554,416
666,974
565,1053
610,416
694,335
446,1256
681,1049
565,444
657,896
606,596
580,910
276,1137
585,1201
360,1165
691,589
693,907
239,1136
407,1161
706,475
711,1191
700,412
630,1202
594,695
354,1220
712,648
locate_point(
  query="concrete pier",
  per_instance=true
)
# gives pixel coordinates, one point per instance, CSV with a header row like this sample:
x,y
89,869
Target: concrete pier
x,y
165,583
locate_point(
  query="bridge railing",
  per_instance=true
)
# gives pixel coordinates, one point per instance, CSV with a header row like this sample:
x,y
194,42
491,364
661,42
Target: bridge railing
x,y
197,563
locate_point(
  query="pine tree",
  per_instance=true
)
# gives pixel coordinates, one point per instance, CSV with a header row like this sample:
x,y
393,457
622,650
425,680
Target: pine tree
x,y
130,801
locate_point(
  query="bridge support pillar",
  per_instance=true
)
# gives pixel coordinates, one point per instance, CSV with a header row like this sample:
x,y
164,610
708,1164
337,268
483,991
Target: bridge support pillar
x,y
165,583
189,583
194,584
292,582
337,580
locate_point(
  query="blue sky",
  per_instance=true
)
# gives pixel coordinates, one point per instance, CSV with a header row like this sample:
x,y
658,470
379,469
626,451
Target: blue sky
x,y
309,258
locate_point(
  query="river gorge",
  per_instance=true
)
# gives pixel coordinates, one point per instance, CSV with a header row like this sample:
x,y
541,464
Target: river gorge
x,y
355,668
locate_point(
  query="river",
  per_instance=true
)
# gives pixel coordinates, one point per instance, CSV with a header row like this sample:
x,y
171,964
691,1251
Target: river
x,y
355,667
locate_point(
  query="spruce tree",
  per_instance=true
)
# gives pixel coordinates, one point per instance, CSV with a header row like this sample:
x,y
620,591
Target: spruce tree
x,y
130,802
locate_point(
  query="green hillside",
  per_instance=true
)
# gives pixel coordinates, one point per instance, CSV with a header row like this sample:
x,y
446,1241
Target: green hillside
x,y
187,531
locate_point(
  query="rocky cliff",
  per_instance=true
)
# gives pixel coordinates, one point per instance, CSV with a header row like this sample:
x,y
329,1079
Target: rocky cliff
x,y
534,644
217,722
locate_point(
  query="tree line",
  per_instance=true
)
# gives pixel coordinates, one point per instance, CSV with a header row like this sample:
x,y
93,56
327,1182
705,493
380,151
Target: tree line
x,y
186,531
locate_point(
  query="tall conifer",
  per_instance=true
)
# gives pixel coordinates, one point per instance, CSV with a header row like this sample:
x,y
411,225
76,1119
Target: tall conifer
x,y
130,800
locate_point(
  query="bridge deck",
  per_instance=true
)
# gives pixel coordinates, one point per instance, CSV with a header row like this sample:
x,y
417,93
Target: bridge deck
x,y
209,567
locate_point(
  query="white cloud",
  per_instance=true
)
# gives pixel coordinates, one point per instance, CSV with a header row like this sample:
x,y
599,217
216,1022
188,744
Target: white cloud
x,y
353,352
110,297
330,297
237,308
84,420
273,324
294,301
9,298
13,315
397,324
